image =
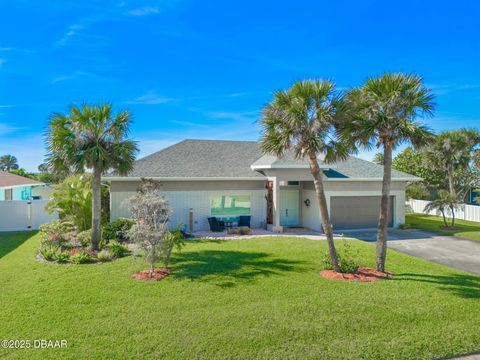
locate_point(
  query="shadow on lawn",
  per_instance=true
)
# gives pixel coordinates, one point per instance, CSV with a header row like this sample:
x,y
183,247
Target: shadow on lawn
x,y
227,268
466,286
9,241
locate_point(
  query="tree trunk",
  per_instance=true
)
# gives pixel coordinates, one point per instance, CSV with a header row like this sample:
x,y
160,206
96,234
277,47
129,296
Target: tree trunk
x,y
322,202
382,230
451,186
453,215
96,207
444,219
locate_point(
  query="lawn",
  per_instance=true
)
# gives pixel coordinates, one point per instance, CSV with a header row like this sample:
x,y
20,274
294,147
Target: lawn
x,y
240,299
465,229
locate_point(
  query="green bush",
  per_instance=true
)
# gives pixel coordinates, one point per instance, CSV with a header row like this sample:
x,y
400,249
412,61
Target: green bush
x,y
85,237
49,252
81,258
62,257
118,250
105,255
117,229
55,232
404,226
348,260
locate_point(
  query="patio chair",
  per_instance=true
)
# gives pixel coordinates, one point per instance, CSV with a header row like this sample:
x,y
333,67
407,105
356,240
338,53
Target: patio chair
x,y
216,225
244,220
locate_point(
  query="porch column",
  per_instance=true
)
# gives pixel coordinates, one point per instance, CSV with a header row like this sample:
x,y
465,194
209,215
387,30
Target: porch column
x,y
276,206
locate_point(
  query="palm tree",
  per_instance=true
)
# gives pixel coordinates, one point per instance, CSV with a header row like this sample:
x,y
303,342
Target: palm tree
x,y
443,202
301,119
378,158
91,138
383,112
8,162
453,153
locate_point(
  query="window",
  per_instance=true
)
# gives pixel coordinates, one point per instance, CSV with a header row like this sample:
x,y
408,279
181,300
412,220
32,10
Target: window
x,y
230,205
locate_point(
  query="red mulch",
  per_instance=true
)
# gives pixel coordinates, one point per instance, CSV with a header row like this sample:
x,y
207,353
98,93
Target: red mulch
x,y
362,275
158,274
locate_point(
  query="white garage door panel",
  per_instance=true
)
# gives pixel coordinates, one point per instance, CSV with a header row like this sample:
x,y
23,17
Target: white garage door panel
x,y
357,212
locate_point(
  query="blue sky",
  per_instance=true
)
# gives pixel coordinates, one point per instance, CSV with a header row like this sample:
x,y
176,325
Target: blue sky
x,y
204,69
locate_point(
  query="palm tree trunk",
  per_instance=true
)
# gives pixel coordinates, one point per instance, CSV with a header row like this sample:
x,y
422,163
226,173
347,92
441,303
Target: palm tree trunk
x,y
382,230
96,207
444,219
451,186
322,202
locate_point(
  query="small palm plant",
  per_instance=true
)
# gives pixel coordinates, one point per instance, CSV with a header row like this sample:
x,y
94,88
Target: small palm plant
x,y
383,113
91,138
301,119
445,201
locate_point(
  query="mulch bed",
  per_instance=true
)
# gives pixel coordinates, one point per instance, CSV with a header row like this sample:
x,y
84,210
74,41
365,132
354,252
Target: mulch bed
x,y
158,274
362,275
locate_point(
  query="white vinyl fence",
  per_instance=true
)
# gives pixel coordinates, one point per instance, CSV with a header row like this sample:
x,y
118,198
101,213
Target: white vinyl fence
x,y
464,212
18,215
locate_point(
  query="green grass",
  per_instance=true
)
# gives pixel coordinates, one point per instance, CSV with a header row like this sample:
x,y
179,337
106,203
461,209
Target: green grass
x,y
243,299
465,229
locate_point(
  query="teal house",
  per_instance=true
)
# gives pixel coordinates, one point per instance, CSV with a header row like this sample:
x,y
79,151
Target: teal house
x,y
15,187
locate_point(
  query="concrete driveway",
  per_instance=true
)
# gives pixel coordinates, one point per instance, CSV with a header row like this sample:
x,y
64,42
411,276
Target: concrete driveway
x,y
448,250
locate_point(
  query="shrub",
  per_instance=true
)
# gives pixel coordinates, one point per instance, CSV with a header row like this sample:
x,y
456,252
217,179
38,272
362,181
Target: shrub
x,y
347,259
116,230
404,226
117,250
84,238
62,256
49,251
55,232
105,255
81,258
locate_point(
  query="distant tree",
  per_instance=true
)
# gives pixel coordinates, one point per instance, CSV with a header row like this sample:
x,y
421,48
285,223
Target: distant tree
x,y
47,176
91,137
378,158
444,202
383,112
454,154
24,173
414,162
8,163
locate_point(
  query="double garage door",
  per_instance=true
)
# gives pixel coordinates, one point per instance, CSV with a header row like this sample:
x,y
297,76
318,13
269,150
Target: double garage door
x,y
357,212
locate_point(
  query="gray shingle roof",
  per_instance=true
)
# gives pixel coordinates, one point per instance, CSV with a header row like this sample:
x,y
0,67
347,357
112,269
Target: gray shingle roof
x,y
233,159
201,158
353,167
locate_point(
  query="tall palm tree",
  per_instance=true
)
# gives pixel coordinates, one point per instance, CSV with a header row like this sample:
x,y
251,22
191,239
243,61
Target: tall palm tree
x,y
301,119
91,138
383,113
8,162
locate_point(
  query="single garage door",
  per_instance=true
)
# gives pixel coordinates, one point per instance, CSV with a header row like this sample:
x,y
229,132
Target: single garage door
x,y
357,212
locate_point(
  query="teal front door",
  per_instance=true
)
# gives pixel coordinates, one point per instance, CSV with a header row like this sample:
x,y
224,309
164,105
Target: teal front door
x,y
289,202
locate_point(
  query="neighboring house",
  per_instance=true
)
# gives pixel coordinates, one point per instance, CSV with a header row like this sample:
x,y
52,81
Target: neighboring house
x,y
203,178
473,197
15,187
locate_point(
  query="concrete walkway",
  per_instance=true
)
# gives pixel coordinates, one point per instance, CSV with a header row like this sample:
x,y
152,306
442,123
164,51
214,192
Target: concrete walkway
x,y
448,250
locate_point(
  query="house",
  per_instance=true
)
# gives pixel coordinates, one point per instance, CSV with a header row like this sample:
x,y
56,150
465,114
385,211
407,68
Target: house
x,y
203,178
15,187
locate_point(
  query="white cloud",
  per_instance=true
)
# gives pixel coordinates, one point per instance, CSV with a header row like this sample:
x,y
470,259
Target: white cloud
x,y
7,129
236,116
71,32
151,98
143,11
73,76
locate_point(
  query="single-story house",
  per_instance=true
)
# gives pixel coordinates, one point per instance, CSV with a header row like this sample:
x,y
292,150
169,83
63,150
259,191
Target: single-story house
x,y
204,178
15,187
